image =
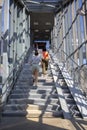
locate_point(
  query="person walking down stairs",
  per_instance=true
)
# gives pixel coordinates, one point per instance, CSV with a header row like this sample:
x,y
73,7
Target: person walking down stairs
x,y
35,63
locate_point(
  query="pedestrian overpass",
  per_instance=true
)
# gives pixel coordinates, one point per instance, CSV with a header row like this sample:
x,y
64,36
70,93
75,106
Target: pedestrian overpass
x,y
62,93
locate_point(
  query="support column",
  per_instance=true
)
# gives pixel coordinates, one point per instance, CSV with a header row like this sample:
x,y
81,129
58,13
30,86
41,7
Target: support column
x,y
74,29
85,25
5,32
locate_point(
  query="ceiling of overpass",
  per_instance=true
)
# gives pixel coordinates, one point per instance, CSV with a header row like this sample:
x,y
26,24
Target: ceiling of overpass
x,y
42,16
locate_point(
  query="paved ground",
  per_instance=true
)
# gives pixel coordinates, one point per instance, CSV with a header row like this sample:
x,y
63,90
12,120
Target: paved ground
x,y
21,123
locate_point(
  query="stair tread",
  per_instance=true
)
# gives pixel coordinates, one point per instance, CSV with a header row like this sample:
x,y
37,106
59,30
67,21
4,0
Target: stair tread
x,y
32,107
31,98
31,95
32,113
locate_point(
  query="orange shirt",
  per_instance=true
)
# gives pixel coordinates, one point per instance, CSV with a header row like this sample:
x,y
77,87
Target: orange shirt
x,y
45,55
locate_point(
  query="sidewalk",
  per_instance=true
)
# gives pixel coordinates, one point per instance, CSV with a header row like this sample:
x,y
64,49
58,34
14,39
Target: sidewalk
x,y
21,123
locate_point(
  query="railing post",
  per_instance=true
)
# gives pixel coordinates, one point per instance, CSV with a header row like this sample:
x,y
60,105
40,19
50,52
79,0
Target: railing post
x,y
1,2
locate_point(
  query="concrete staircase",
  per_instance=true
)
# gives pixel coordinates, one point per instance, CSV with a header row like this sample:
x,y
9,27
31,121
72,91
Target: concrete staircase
x,y
54,96
31,101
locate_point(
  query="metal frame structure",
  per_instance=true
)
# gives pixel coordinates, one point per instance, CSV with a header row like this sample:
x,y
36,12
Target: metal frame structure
x,y
68,39
71,41
15,43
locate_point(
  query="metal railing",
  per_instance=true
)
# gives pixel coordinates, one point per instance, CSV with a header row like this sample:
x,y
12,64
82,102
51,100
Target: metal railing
x,y
73,68
11,79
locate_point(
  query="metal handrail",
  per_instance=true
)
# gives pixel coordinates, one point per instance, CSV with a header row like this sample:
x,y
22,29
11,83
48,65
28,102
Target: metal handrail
x,y
6,82
12,71
68,57
78,67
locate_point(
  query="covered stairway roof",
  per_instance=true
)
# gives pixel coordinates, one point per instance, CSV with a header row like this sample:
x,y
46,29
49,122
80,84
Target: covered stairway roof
x,y
42,16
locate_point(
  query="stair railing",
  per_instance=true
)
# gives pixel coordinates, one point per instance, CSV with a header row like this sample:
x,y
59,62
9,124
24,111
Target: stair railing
x,y
12,78
74,69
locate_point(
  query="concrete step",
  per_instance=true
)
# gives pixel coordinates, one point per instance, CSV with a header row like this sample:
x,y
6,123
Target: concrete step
x,y
64,87
34,90
31,95
70,101
66,90
46,107
32,101
40,86
24,79
68,95
33,113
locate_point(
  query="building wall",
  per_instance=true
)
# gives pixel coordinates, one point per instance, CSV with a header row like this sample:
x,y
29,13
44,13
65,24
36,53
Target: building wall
x,y
15,41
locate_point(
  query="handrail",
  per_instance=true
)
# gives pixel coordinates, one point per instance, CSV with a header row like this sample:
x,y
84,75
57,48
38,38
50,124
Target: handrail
x,y
68,57
57,49
10,83
12,71
72,61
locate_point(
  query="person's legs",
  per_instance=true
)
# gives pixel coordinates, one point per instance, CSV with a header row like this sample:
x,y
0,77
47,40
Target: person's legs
x,y
46,65
43,67
35,73
36,76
